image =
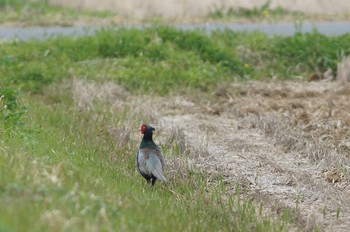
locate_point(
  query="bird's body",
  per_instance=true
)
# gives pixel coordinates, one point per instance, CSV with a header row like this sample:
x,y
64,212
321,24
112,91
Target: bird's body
x,y
150,160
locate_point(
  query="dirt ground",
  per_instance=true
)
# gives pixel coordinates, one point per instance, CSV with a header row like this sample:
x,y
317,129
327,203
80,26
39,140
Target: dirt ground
x,y
141,9
286,143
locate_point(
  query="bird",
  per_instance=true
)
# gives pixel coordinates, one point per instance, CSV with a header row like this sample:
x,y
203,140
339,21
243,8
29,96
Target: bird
x,y
150,160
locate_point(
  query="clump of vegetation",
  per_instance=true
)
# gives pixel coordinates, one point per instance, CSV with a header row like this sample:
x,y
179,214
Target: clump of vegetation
x,y
40,12
286,57
315,51
261,12
162,59
10,110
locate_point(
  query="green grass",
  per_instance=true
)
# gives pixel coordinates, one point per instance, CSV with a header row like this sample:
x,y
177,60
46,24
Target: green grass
x,y
263,12
39,12
162,59
61,169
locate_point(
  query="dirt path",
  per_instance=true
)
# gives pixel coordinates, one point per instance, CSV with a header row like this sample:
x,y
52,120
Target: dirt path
x,y
286,142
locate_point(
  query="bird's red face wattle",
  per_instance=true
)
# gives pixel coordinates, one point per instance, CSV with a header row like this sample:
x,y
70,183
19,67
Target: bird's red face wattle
x,y
143,129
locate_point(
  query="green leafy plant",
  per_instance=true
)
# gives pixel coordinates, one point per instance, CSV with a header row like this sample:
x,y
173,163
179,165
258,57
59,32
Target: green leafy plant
x,y
259,12
10,111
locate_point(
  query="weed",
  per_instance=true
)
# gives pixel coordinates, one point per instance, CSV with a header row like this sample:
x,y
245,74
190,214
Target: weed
x,y
40,12
338,213
10,110
317,52
260,12
297,55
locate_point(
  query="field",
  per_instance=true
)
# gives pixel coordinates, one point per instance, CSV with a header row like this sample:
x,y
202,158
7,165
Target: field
x,y
209,10
254,128
110,12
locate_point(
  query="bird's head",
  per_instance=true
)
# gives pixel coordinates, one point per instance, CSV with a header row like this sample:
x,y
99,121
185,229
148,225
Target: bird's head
x,y
146,129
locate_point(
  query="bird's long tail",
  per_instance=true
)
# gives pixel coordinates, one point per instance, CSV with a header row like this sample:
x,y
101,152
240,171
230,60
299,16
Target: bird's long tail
x,y
159,175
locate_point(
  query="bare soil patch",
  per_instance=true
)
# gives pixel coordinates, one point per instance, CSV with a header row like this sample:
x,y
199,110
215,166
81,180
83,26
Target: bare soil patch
x,y
286,143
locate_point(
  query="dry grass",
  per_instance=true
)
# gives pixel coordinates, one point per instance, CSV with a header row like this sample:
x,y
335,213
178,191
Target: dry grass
x,y
311,121
91,96
285,140
86,93
343,71
170,8
307,128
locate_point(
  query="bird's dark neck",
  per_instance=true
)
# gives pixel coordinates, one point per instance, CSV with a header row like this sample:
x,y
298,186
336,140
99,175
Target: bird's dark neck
x,y
148,136
147,140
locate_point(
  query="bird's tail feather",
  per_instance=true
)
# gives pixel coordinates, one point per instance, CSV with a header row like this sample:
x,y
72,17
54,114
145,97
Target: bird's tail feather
x,y
160,176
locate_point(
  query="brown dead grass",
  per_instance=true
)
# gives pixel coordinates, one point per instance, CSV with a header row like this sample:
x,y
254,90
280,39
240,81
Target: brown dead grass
x,y
343,71
286,143
141,9
86,93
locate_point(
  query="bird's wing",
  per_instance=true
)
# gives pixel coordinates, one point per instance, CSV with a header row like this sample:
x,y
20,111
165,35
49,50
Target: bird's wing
x,y
154,165
160,156
151,161
142,157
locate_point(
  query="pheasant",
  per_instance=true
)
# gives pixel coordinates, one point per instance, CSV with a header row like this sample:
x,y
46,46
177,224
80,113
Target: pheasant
x,y
150,160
